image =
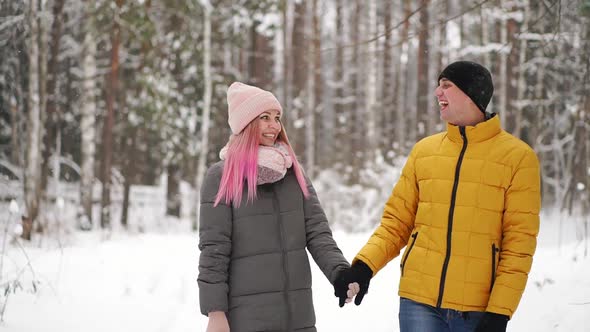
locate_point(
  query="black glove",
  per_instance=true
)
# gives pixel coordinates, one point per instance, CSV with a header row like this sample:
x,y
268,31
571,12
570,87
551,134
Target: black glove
x,y
492,322
341,286
360,273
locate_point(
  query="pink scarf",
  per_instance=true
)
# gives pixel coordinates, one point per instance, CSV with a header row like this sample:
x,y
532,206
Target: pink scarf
x,y
273,162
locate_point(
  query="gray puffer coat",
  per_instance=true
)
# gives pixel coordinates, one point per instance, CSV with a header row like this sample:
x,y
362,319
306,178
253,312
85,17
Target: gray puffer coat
x,y
253,262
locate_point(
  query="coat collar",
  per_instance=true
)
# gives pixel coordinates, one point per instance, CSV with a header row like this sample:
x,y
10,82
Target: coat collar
x,y
482,131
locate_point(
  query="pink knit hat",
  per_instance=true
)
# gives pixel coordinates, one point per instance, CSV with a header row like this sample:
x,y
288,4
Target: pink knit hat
x,y
246,102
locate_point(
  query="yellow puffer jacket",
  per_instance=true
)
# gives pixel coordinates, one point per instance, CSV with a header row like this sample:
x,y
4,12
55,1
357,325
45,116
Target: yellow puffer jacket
x,y
469,212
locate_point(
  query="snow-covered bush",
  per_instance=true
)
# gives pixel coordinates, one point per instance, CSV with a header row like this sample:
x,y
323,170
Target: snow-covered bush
x,y
358,207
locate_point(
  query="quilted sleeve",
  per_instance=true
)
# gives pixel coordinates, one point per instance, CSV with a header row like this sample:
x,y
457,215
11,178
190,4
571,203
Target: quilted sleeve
x,y
320,243
397,220
215,229
520,226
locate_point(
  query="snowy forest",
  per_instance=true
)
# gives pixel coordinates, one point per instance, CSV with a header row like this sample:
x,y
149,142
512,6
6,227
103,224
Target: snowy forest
x,y
112,110
99,97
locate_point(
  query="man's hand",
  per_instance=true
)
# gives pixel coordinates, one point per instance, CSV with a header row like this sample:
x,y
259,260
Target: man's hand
x,y
345,290
217,322
492,322
361,274
353,281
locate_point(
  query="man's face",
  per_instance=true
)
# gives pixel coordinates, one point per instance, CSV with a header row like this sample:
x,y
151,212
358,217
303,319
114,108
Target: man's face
x,y
455,106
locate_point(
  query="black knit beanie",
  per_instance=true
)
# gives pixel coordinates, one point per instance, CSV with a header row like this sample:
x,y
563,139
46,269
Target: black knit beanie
x,y
473,79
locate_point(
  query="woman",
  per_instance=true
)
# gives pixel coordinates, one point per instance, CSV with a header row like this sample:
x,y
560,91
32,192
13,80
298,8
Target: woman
x,y
258,215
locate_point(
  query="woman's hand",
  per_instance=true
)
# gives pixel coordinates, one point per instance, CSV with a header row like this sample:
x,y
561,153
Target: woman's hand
x,y
217,322
353,290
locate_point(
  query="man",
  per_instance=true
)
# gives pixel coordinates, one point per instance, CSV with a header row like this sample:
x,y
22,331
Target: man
x,y
467,207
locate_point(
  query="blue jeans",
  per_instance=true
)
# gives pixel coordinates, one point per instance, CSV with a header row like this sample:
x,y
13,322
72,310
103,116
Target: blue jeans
x,y
418,317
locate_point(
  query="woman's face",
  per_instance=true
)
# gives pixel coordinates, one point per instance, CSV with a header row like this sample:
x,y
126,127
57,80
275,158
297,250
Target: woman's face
x,y
269,124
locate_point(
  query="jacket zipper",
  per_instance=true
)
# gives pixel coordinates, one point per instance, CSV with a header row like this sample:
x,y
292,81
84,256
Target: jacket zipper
x,y
285,259
403,264
451,214
494,250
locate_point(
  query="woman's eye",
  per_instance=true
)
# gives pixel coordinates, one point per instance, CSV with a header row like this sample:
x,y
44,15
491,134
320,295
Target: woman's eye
x,y
278,119
264,117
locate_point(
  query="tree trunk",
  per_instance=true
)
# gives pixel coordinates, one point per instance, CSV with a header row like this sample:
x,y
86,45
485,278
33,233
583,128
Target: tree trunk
x,y
341,120
252,55
52,113
287,101
15,133
578,189
128,148
173,190
320,128
503,77
56,172
356,125
107,133
370,109
259,59
440,54
586,121
539,97
442,46
299,67
423,87
402,84
204,144
278,57
512,65
309,110
537,120
385,120
522,86
88,122
485,35
43,44
33,161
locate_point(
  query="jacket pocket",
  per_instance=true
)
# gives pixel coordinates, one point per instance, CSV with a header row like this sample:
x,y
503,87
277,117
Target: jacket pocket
x,y
407,253
495,251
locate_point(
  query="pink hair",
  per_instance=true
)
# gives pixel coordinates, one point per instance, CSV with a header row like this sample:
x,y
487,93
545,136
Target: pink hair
x,y
241,163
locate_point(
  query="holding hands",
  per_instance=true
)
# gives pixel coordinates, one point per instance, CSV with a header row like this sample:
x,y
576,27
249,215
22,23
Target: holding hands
x,y
351,282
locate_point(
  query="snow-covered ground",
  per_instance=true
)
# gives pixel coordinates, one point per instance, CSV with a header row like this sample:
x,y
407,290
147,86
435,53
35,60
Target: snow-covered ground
x,y
147,283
